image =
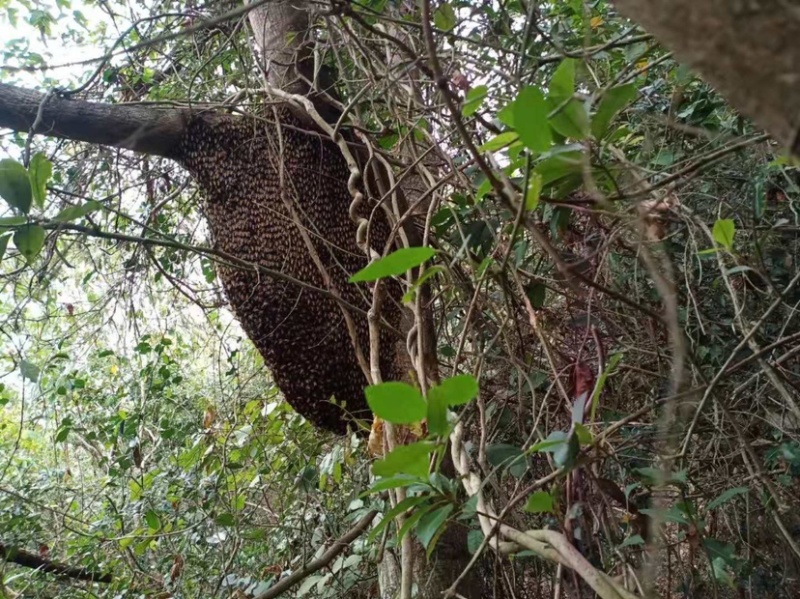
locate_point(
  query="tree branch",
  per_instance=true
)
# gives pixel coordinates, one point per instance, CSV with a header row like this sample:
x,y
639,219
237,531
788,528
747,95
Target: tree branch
x,y
28,559
747,50
146,129
326,558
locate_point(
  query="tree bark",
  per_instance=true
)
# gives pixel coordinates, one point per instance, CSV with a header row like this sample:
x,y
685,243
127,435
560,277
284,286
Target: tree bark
x,y
146,129
747,49
282,32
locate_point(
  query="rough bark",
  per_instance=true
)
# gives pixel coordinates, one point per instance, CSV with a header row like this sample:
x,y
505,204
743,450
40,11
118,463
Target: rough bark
x,y
747,49
282,32
145,129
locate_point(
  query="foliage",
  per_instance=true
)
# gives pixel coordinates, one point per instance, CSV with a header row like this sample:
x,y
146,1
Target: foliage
x,y
615,263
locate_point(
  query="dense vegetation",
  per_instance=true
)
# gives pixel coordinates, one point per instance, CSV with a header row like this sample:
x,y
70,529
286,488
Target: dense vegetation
x,y
612,262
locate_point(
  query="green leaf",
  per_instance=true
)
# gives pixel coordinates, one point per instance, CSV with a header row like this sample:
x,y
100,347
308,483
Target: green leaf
x,y
4,245
396,402
537,293
559,165
474,540
431,523
383,484
505,455
401,507
632,540
562,84
406,459
457,390
412,520
726,497
601,383
583,434
15,186
75,212
540,502
564,447
534,191
63,430
723,232
613,100
396,263
29,371
499,141
29,241
570,120
437,413
530,119
13,221
445,17
152,520
39,170
474,99
225,519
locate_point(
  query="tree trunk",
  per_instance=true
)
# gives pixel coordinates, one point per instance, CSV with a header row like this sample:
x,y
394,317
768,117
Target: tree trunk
x,y
747,49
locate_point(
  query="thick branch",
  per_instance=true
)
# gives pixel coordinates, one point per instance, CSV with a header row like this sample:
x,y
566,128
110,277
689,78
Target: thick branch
x,y
326,558
747,50
145,129
34,561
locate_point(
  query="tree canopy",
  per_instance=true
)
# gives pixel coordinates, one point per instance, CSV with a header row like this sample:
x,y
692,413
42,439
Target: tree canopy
x,y
594,252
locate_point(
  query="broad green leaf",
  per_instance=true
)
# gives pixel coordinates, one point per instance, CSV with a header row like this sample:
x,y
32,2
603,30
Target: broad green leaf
x,y
75,212
570,120
562,84
396,263
583,434
29,371
431,523
403,480
726,497
632,540
474,540
558,166
537,293
62,432
15,185
412,520
723,232
401,507
40,169
539,502
564,447
474,99
4,245
411,294
720,570
530,119
534,191
224,519
406,459
614,100
509,456
29,241
437,413
445,17
499,141
152,520
396,402
506,114
457,390
12,221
